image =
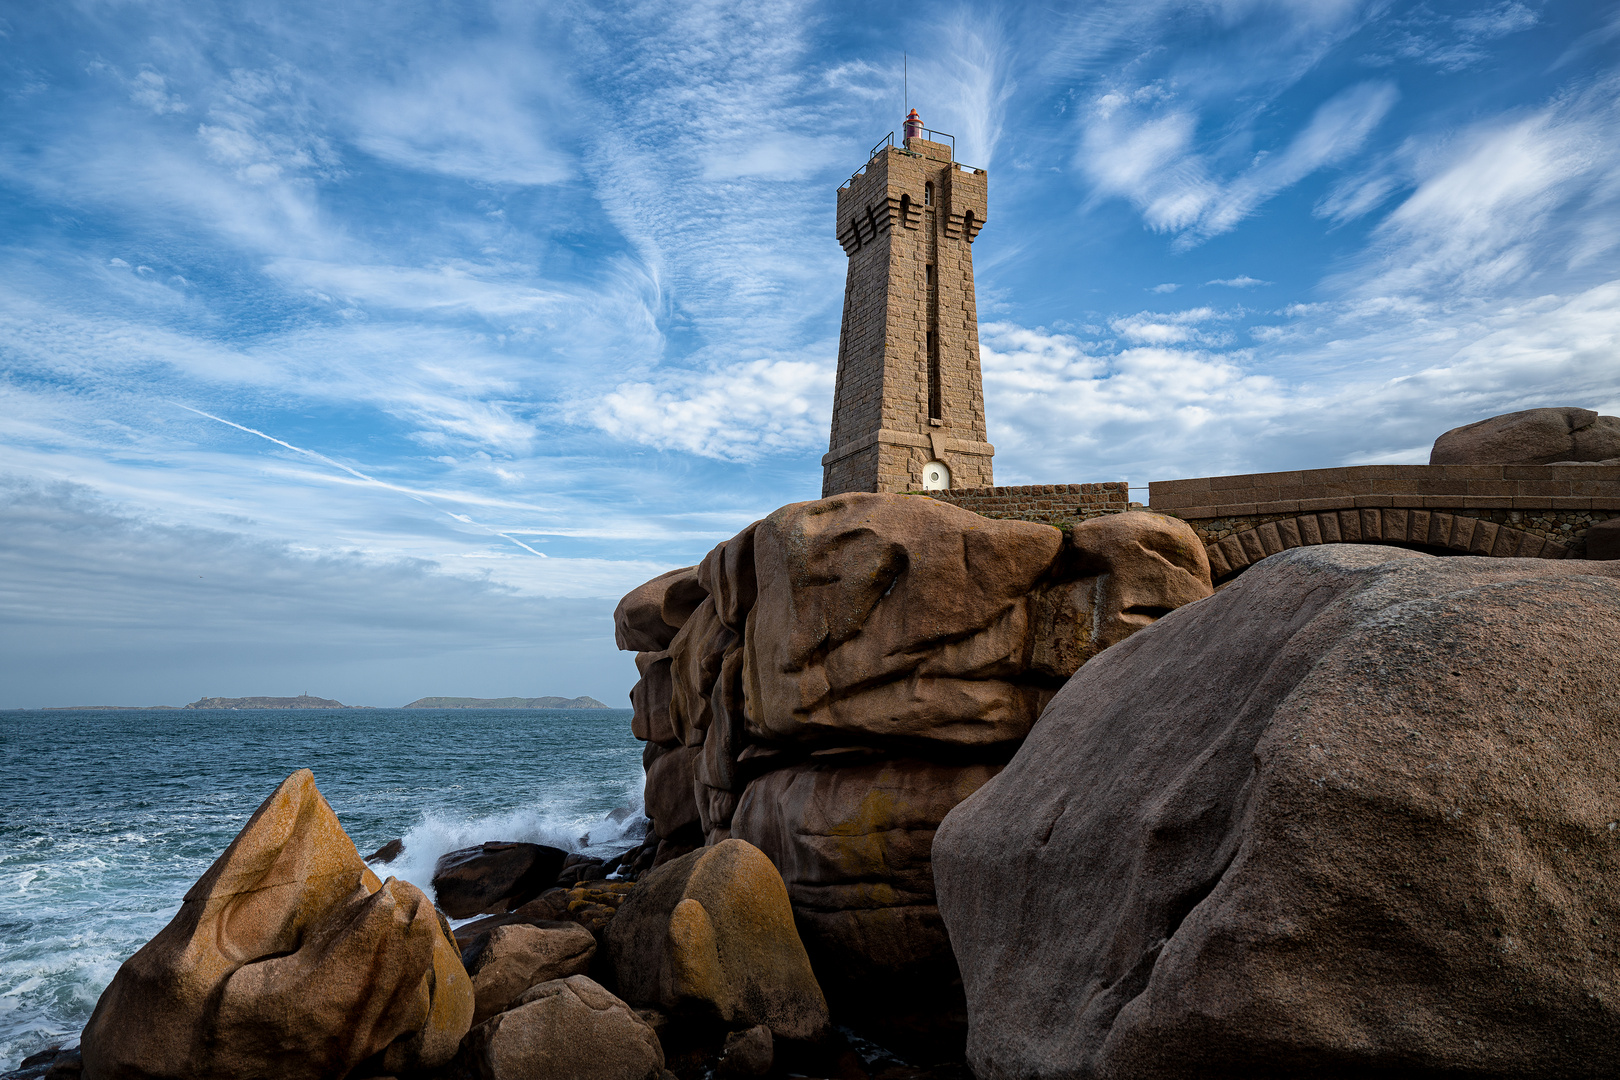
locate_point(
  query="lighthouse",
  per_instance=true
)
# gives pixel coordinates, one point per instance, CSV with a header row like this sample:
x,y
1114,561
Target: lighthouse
x,y
908,410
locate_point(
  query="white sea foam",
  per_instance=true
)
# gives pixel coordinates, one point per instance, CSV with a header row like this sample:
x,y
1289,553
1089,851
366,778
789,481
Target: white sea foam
x,y
436,833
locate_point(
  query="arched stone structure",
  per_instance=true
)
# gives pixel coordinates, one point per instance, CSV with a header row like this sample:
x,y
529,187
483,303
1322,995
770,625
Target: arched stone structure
x,y
1369,525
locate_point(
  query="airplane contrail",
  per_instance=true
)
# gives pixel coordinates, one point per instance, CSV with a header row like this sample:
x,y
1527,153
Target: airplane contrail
x,y
368,479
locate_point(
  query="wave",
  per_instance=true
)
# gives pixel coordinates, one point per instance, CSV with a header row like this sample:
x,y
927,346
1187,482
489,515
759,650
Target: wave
x,y
436,833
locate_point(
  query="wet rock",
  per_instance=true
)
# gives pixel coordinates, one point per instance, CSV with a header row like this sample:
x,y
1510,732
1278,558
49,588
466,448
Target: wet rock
x,y
566,1028
747,1053
519,956
578,868
649,616
1531,437
50,1062
66,1065
1352,815
494,877
852,839
387,853
711,934
288,958
546,911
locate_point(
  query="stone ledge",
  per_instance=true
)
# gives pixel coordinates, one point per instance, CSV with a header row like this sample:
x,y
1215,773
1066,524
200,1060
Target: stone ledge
x,y
1312,489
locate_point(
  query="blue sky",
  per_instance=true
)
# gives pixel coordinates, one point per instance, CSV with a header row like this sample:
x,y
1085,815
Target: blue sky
x,y
375,350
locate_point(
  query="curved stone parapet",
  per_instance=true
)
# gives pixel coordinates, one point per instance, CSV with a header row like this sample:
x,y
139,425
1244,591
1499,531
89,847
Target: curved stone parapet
x,y
1369,525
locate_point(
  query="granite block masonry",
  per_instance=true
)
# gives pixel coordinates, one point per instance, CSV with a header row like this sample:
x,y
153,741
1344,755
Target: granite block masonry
x,y
908,410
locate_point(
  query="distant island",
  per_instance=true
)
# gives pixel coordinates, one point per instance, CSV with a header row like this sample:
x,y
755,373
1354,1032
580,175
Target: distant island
x,y
305,701
100,708
302,701
505,703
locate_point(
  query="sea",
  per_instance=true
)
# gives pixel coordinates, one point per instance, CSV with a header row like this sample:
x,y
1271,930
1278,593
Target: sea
x,y
107,817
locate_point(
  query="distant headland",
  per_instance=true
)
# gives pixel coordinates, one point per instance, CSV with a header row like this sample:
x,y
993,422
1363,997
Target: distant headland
x,y
105,708
305,701
302,701
505,703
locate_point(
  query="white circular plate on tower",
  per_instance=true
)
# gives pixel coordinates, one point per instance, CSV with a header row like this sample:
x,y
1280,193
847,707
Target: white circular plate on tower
x,y
936,476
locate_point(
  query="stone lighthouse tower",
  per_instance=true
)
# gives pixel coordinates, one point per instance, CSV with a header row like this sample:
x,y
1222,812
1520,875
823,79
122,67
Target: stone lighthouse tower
x,y
908,412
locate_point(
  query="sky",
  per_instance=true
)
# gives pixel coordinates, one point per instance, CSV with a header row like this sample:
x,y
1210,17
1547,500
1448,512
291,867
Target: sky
x,y
374,350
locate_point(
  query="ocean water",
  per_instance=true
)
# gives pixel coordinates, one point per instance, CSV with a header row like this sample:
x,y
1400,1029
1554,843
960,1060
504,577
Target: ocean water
x,y
107,818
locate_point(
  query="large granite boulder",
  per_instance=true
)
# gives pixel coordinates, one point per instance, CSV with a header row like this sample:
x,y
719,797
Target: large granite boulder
x,y
852,838
711,935
669,793
895,618
1531,437
1354,815
567,1029
696,655
651,614
288,958
1603,540
518,956
494,877
649,700
904,641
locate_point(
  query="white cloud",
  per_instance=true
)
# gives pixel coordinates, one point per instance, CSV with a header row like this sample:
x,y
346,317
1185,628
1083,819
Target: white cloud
x,y
1172,328
964,83
1352,382
487,115
1166,287
1060,411
150,90
1243,281
1147,161
1151,160
737,413
1511,198
1457,43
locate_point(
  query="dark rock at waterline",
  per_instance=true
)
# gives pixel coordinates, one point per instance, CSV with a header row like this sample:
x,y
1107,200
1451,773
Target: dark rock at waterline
x,y
1353,815
746,1053
494,877
52,1062
583,870
387,853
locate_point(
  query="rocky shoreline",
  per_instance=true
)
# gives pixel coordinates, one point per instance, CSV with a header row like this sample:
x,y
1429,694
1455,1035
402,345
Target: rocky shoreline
x,y
931,795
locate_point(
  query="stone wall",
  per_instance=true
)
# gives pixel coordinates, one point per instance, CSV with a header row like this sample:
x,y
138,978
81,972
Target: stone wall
x,y
1542,511
1565,488
1566,528
1051,503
